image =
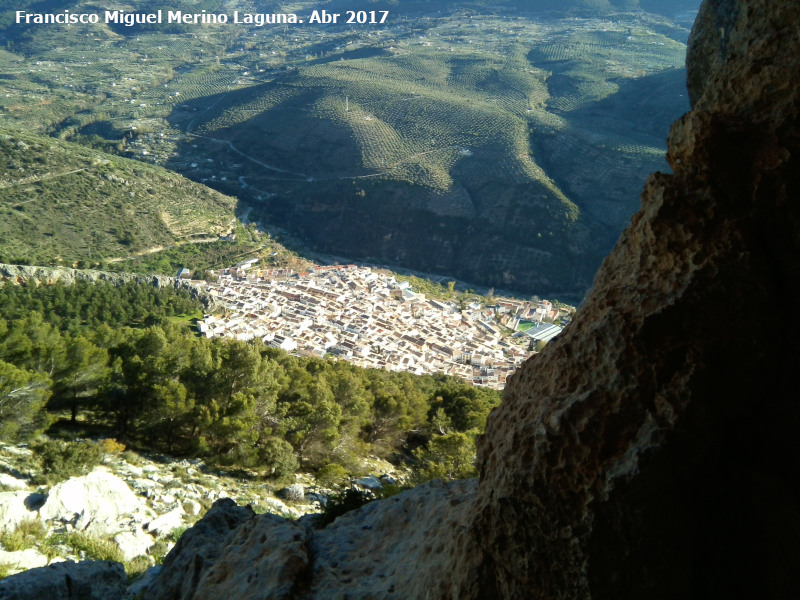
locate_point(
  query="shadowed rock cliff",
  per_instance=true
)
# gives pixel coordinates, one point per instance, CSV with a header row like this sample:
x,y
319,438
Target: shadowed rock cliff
x,y
652,451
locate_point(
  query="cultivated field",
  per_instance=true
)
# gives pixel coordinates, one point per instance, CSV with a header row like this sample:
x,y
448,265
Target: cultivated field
x,y
500,146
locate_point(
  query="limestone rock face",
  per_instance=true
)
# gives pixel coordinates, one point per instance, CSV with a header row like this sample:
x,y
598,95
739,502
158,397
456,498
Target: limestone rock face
x,y
90,580
95,503
15,508
386,550
233,553
394,549
651,451
47,275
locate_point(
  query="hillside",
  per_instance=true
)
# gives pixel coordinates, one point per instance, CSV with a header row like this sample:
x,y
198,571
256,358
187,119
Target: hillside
x,y
494,144
62,203
497,149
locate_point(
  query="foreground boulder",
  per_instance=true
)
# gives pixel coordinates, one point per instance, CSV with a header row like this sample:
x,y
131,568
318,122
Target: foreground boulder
x,y
651,451
99,503
386,550
92,580
207,561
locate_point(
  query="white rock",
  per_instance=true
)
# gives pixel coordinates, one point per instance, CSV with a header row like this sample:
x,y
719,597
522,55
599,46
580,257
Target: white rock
x,y
18,451
163,525
14,510
134,470
168,499
13,483
22,560
280,508
143,484
133,543
101,496
192,507
144,516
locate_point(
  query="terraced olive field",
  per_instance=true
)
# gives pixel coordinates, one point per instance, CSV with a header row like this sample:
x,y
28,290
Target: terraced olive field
x,y
485,142
62,204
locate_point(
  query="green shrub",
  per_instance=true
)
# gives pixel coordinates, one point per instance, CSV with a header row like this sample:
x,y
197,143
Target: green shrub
x,y
158,551
61,460
136,567
331,475
277,455
25,535
91,547
132,458
176,533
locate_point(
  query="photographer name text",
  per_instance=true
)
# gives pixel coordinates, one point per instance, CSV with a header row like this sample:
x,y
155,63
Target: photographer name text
x,y
178,17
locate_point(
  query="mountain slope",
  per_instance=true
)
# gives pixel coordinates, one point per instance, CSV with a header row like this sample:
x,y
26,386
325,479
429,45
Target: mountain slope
x,y
493,142
61,202
501,150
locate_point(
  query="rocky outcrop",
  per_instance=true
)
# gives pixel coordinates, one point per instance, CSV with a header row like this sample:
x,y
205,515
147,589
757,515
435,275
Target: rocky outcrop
x,y
99,503
47,275
272,547
392,549
207,560
91,580
651,450
138,505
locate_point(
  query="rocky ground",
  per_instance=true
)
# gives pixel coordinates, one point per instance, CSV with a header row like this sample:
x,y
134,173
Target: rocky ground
x,y
130,509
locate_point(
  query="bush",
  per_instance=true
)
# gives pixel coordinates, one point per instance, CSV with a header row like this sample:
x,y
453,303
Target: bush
x,y
277,455
91,547
175,534
159,550
449,456
136,567
111,446
132,458
61,460
332,475
25,535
